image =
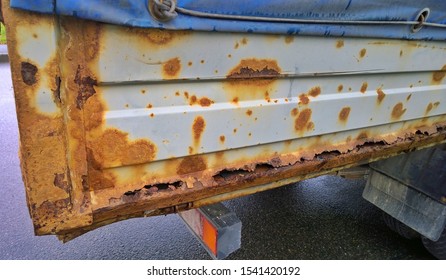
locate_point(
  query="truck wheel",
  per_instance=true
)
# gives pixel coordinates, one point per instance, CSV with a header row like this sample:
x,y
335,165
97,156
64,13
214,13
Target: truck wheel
x,y
400,227
436,248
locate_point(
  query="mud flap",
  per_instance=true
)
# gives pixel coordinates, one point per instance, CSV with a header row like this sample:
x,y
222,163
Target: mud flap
x,y
386,188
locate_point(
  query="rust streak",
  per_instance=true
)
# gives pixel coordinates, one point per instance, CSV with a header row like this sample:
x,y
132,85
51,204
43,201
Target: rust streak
x,y
438,76
364,87
398,111
381,95
343,114
302,120
198,127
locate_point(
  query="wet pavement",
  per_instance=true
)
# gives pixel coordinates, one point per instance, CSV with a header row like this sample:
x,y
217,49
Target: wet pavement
x,y
321,218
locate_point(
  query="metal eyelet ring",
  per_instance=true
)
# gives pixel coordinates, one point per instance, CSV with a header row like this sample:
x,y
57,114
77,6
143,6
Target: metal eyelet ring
x,y
421,18
163,10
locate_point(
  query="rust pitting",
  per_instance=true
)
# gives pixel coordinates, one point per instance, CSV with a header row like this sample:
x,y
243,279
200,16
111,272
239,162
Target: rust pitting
x,y
172,67
29,72
86,88
255,68
56,91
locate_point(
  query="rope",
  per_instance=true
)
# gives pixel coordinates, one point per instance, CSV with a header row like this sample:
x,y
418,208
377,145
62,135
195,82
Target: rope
x,y
169,10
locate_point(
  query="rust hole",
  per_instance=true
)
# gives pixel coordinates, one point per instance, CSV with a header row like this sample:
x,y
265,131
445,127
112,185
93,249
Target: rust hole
x,y
29,72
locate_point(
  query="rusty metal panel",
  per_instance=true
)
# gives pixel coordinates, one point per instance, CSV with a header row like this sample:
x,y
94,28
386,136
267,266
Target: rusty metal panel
x,y
119,122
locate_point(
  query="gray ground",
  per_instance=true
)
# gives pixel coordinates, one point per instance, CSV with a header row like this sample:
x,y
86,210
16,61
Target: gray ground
x,y
322,218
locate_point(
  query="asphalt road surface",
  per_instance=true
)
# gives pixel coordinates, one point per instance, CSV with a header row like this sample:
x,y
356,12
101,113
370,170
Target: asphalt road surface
x,y
322,218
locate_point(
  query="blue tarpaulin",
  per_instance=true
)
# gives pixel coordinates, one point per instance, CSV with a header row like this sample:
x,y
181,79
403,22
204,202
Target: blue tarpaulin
x,y
136,13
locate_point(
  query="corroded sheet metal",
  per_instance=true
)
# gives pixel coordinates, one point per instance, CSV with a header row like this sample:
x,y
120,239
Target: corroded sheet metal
x,y
144,122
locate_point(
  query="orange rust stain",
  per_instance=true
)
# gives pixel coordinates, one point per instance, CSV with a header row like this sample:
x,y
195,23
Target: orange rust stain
x,y
113,147
364,87
339,44
191,150
143,91
189,63
398,111
191,165
235,100
205,102
343,114
302,120
438,76
94,109
381,95
340,88
172,68
152,115
244,41
186,94
177,93
429,108
362,53
222,138
198,127
289,39
314,91
409,97
249,112
310,126
126,105
193,100
362,135
304,99
294,112
149,106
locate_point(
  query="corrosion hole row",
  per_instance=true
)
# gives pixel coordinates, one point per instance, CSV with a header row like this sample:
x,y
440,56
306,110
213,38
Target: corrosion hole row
x,y
149,189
